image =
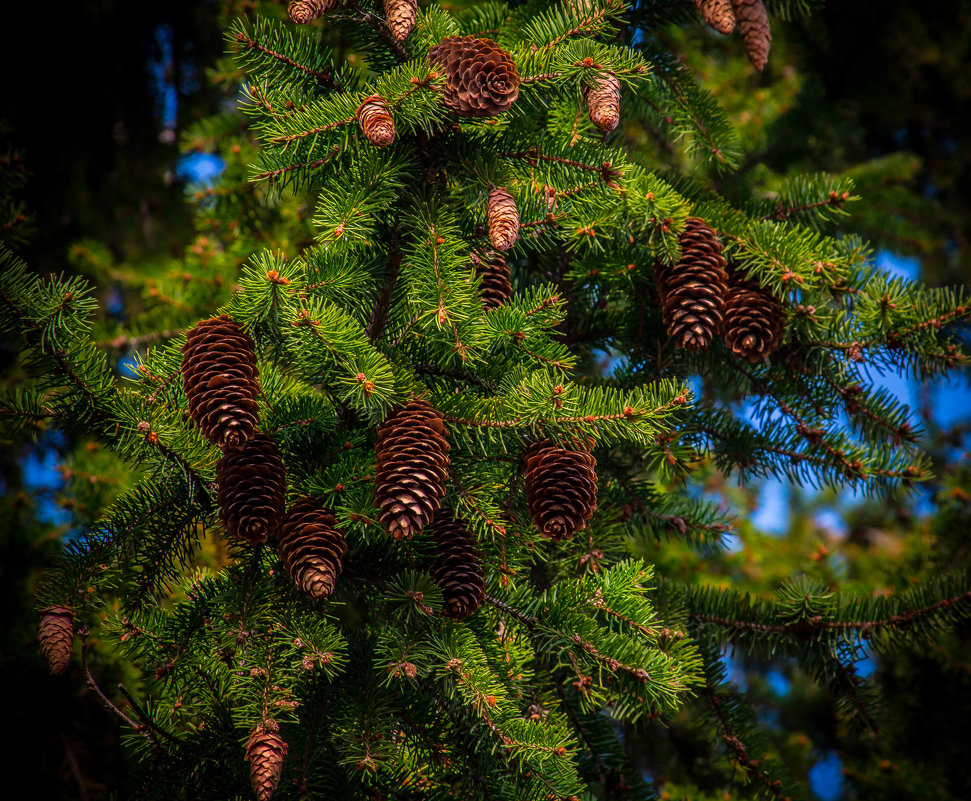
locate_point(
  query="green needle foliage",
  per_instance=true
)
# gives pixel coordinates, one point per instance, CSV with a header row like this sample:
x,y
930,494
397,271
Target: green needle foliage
x,y
350,267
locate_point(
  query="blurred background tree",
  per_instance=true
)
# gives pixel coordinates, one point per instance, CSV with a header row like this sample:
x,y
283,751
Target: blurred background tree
x,y
143,137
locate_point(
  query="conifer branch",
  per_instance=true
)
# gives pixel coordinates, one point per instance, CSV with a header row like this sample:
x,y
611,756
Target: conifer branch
x,y
741,751
804,628
93,685
379,26
325,77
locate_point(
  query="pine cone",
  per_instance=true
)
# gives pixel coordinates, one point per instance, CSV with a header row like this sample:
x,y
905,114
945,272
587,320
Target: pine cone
x,y
718,14
481,77
495,287
603,101
754,322
252,489
503,219
376,121
400,15
561,488
311,548
56,634
220,381
753,24
265,751
692,291
304,11
457,568
412,464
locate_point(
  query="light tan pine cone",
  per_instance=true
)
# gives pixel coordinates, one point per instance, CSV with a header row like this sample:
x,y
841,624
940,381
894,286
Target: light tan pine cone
x,y
265,751
754,321
692,292
603,101
502,217
561,488
717,13
311,547
400,16
457,568
412,465
495,287
376,121
753,25
482,80
304,11
219,376
252,490
56,635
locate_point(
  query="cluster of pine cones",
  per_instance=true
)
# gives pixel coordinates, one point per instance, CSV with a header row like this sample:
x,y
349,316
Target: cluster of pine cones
x,y
752,20
221,382
481,81
700,300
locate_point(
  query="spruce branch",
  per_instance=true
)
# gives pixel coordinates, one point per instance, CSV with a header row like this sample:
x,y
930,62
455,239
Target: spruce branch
x,y
741,751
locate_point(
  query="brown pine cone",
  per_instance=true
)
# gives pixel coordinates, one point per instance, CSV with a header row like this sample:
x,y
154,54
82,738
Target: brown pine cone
x,y
495,288
376,121
412,464
603,101
311,548
717,13
401,16
502,217
252,489
265,750
481,77
220,380
56,634
753,25
692,291
561,488
754,321
457,568
304,11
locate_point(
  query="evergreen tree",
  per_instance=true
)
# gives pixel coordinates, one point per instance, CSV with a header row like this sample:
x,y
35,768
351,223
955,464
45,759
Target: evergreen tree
x,y
437,500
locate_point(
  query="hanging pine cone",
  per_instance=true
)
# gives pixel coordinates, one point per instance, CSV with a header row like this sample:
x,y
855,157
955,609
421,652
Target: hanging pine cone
x,y
603,101
495,288
692,291
412,464
401,16
561,488
376,121
304,11
220,381
56,634
754,321
252,489
718,14
481,77
753,25
311,548
503,219
457,568
265,750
